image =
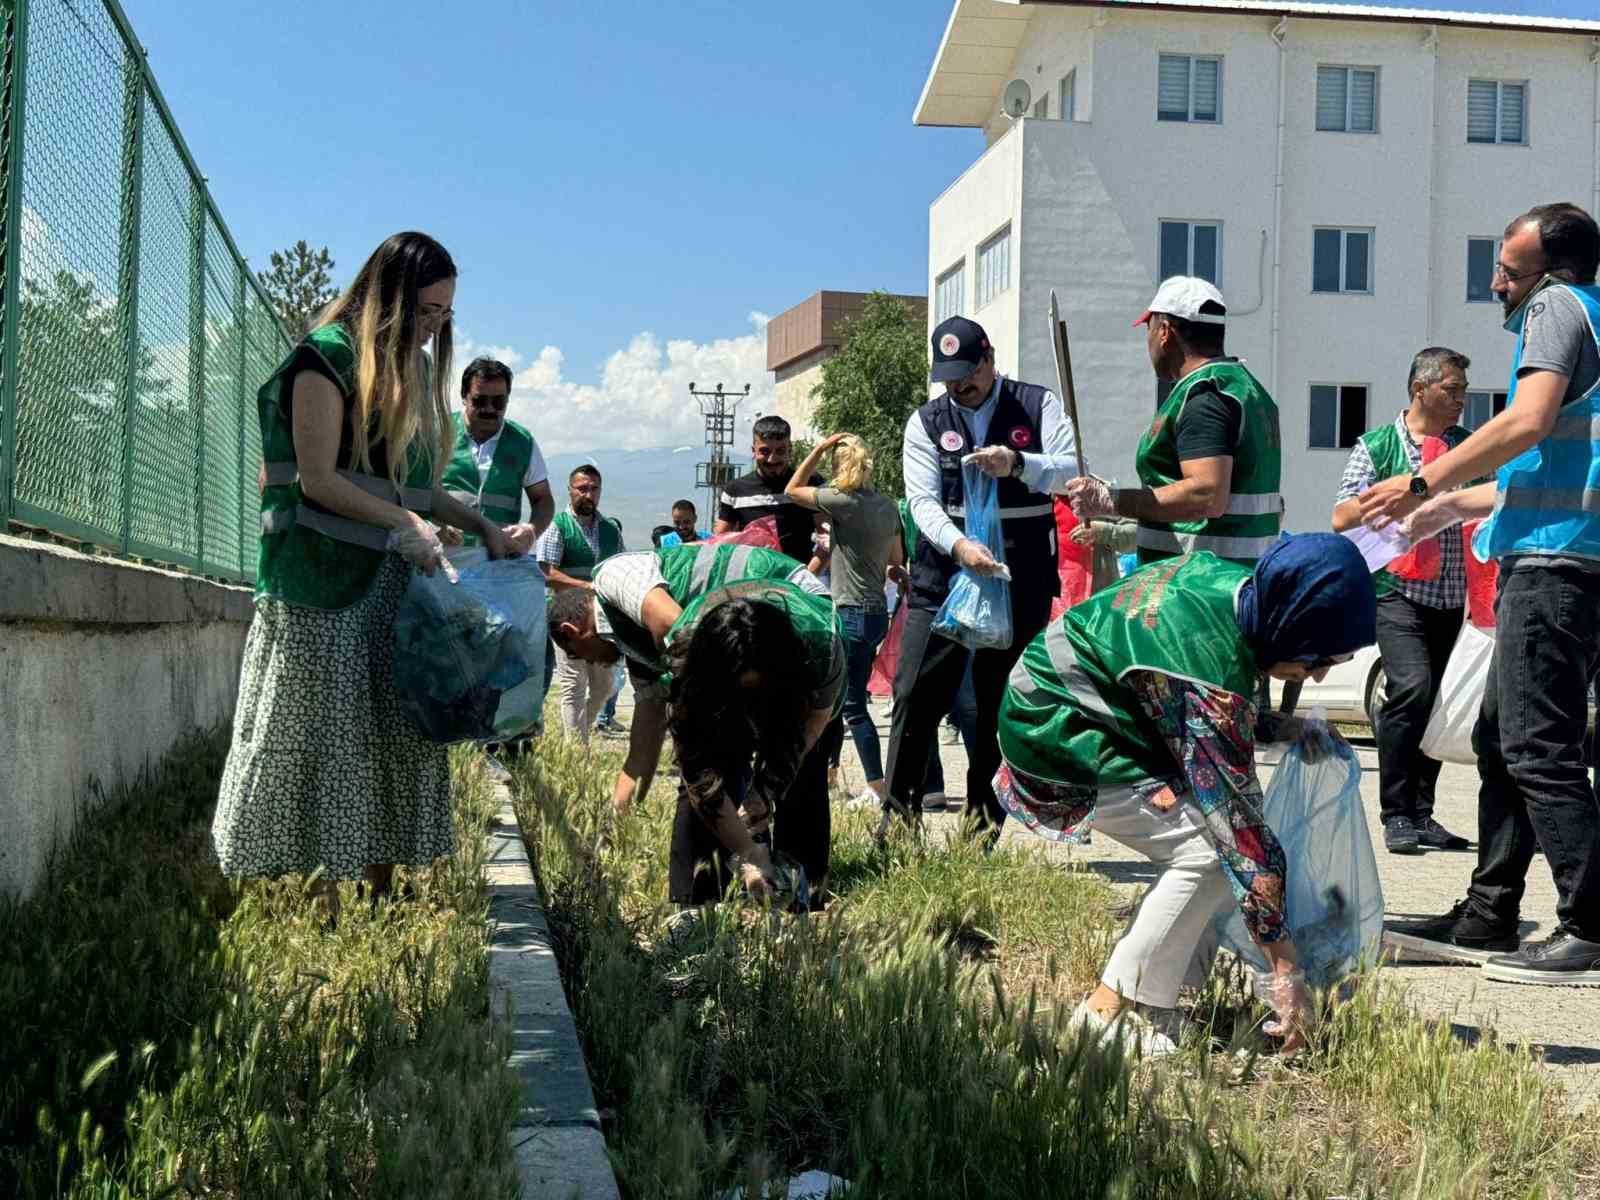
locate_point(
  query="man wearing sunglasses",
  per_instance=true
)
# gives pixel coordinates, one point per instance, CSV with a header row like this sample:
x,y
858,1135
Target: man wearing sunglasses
x,y
1544,531
496,461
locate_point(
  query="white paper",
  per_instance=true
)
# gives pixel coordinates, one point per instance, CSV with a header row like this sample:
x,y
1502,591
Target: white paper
x,y
1379,547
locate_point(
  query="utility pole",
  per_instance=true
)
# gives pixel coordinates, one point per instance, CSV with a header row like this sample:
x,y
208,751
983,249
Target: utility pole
x,y
718,408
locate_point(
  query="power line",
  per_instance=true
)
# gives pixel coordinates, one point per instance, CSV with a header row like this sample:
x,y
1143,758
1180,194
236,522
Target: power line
x,y
718,408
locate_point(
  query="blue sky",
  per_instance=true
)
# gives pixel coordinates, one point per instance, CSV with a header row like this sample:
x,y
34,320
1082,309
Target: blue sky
x,y
625,187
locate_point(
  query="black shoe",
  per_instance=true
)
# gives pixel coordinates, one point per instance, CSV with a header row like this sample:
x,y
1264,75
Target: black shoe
x,y
1400,836
1562,960
1458,936
1435,836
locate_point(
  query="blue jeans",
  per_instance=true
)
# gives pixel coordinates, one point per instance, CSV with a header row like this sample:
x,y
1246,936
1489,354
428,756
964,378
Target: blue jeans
x,y
964,712
863,633
609,712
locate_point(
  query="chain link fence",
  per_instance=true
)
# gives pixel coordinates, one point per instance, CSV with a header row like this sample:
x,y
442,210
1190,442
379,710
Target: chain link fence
x,y
133,337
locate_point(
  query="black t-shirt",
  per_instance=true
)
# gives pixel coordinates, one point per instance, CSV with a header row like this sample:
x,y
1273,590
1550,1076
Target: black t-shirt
x,y
1210,425
750,497
306,359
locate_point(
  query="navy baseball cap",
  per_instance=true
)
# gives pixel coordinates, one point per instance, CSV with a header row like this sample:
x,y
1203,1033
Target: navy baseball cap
x,y
958,349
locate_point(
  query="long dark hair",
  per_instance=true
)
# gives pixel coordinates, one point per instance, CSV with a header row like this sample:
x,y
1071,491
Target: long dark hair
x,y
717,724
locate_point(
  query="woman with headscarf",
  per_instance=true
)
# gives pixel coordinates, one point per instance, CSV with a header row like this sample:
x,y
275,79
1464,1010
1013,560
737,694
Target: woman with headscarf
x,y
1135,711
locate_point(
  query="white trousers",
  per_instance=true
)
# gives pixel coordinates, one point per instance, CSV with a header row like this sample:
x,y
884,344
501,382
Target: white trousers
x,y
1173,926
584,688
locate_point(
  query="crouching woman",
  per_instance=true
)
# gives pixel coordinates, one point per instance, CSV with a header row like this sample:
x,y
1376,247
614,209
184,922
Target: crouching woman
x,y
1135,712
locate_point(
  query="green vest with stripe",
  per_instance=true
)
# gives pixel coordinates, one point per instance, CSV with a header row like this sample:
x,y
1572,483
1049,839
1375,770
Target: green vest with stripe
x,y
497,493
308,555
1066,716
1389,459
1250,526
577,556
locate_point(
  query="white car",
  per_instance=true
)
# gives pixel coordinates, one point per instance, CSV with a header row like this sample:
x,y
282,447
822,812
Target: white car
x,y
1353,691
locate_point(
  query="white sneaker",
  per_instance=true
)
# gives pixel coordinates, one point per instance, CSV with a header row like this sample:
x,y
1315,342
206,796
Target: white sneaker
x,y
868,799
934,802
1130,1032
949,735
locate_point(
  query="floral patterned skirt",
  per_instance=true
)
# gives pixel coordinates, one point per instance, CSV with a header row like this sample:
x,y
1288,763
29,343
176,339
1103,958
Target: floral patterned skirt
x,y
324,771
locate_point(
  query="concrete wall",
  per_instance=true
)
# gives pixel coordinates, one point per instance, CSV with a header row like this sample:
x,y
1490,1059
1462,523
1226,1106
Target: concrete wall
x,y
791,392
103,666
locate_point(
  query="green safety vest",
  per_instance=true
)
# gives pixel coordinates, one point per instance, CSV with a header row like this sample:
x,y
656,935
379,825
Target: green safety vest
x,y
691,572
1067,718
308,556
497,493
1389,459
1251,523
577,556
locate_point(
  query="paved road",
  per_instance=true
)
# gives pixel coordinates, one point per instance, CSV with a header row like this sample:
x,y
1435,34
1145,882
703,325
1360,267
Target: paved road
x,y
1563,1023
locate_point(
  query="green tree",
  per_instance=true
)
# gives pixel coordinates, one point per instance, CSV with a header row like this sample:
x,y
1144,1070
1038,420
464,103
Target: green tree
x,y
300,285
875,382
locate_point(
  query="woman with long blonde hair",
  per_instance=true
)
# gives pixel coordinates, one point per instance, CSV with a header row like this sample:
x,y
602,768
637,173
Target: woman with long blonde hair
x,y
324,772
865,533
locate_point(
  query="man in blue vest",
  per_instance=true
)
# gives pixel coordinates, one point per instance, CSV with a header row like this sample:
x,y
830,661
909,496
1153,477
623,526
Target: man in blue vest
x,y
1016,432
1544,530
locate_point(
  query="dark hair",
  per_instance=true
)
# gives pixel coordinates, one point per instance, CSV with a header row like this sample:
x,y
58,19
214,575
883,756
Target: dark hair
x,y
486,369
569,606
588,469
1429,365
1567,235
689,504
770,429
1201,337
717,724
659,532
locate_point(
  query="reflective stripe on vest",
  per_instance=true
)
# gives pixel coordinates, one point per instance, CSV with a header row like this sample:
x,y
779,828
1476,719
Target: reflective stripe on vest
x,y
495,505
342,529
1015,513
1586,500
1170,541
1254,506
1064,661
281,474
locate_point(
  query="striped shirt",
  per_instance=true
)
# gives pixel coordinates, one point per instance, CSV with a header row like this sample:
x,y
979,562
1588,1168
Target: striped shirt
x,y
750,497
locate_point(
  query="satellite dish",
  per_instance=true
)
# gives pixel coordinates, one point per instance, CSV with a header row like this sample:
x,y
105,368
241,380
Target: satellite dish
x,y
1018,98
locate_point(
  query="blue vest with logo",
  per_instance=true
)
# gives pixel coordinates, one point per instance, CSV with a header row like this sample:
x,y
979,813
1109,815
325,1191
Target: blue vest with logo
x,y
1547,499
1026,516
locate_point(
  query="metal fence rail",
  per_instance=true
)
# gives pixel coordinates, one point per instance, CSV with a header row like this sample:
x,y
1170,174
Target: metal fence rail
x,y
133,337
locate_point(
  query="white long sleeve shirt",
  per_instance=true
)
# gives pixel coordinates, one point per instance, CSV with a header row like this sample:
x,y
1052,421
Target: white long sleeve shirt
x,y
1045,471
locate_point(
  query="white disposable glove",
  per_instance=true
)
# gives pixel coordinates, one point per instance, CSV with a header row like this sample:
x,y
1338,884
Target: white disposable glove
x,y
992,460
1091,496
1290,1000
419,545
1433,518
520,538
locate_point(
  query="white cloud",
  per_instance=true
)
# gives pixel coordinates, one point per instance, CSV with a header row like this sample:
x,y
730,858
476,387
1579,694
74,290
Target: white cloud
x,y
642,399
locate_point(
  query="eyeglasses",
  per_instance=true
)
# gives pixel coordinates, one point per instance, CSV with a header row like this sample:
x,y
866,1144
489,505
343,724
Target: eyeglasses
x,y
433,313
491,403
1500,272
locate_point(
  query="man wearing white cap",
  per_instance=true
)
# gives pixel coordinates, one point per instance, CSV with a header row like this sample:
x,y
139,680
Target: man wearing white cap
x,y
1210,461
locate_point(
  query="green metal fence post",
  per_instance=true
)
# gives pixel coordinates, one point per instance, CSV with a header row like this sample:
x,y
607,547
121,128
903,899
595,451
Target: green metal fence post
x,y
128,270
245,540
197,359
16,68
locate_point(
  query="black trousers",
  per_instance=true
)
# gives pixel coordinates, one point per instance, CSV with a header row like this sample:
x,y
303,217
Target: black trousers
x,y
1415,642
802,827
1531,739
926,681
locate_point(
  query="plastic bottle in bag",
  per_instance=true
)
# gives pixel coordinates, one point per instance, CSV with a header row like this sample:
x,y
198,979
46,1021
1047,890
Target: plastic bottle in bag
x,y
977,610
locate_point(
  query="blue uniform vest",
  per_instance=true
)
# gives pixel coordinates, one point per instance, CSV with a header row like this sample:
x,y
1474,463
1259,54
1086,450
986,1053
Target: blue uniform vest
x,y
1027,517
1547,499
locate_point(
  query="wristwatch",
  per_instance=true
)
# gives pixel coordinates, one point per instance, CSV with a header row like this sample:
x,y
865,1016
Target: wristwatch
x,y
1016,465
1419,487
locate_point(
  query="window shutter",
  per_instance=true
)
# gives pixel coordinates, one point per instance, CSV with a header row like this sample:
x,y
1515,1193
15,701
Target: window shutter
x,y
1207,88
1172,88
1511,97
1331,98
1363,101
1481,95
1174,249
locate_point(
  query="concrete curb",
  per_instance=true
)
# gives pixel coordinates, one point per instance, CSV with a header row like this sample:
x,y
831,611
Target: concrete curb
x,y
556,1139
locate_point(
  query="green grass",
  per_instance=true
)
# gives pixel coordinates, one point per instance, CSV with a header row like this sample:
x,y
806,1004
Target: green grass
x,y
913,1039
170,1033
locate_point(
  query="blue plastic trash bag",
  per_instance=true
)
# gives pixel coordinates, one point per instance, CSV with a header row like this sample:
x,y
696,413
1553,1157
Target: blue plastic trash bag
x,y
1334,900
1127,564
469,656
977,611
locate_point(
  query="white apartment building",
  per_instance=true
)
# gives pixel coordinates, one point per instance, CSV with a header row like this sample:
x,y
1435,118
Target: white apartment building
x,y
1342,173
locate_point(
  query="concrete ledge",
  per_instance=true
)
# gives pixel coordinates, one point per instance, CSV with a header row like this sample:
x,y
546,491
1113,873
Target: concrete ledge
x,y
44,582
556,1138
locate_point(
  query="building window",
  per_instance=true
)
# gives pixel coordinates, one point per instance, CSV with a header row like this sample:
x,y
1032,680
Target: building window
x,y
1042,109
1481,406
994,267
1347,99
950,293
1067,110
1338,415
1497,112
1191,248
1189,88
1481,255
1341,260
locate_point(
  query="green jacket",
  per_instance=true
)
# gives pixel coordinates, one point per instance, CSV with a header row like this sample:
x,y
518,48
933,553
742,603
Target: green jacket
x,y
498,493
